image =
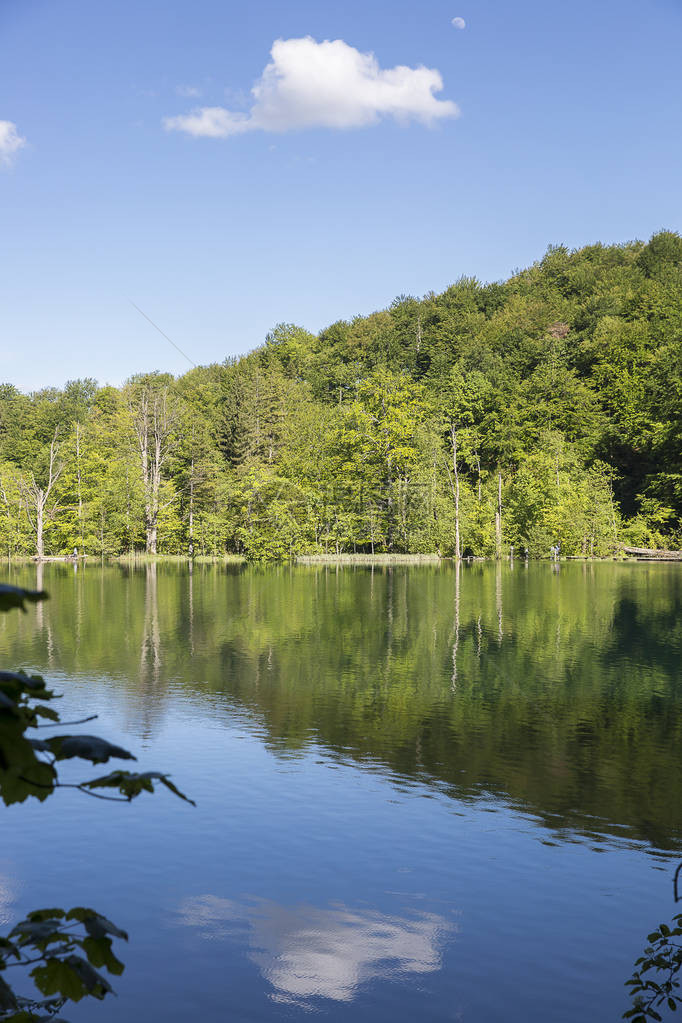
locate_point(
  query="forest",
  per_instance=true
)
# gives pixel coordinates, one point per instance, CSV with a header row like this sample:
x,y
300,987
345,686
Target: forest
x,y
542,410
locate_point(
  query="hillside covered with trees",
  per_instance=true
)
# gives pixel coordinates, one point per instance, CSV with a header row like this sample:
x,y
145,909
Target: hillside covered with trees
x,y
544,409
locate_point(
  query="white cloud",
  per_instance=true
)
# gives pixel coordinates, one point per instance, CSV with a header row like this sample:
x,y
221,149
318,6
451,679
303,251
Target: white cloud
x,y
210,123
10,142
324,85
188,91
459,23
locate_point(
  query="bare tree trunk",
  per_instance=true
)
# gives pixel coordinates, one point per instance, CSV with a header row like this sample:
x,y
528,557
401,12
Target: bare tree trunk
x,y
389,506
191,510
498,516
5,500
455,469
142,431
613,515
403,483
129,529
78,484
37,498
155,488
153,422
40,522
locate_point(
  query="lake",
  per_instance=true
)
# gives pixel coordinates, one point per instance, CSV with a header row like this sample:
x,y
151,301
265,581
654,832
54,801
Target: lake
x,y
421,792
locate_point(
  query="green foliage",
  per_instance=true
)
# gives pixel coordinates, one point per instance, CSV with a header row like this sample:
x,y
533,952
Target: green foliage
x,y
654,984
49,941
130,784
342,441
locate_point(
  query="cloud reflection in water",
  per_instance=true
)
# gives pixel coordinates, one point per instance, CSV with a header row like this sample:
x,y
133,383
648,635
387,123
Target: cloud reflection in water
x,y
8,896
305,952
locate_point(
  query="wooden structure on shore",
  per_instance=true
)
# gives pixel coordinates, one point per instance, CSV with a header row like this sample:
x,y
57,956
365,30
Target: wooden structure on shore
x,y
644,554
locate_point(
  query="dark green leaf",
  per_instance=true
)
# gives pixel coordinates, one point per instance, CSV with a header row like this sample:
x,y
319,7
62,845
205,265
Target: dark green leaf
x,y
98,951
16,596
7,998
30,779
58,977
96,925
132,784
165,780
94,983
87,747
46,712
72,977
46,914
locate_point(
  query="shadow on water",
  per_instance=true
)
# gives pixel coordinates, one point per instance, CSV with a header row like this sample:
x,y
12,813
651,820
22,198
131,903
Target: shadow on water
x,y
556,689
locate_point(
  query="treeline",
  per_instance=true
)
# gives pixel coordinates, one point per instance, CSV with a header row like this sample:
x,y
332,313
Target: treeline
x,y
546,409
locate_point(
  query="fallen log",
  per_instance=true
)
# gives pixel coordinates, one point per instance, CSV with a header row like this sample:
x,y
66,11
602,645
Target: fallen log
x,y
653,555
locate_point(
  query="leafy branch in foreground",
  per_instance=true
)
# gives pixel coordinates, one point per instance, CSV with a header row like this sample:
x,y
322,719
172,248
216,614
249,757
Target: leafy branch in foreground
x,y
652,991
65,949
50,941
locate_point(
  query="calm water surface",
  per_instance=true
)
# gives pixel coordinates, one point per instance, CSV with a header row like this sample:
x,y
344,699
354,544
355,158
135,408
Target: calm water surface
x,y
422,793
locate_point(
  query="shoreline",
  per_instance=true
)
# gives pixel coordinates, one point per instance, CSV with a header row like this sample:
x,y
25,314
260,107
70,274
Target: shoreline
x,y
324,559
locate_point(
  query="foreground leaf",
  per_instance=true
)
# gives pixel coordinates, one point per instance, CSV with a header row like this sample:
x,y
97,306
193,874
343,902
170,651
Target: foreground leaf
x,y
87,747
95,924
130,784
16,596
7,999
72,978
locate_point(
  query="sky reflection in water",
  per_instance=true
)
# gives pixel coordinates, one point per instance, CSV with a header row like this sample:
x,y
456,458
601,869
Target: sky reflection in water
x,y
442,790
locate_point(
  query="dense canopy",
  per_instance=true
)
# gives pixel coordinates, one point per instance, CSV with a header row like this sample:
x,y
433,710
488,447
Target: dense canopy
x,y
543,410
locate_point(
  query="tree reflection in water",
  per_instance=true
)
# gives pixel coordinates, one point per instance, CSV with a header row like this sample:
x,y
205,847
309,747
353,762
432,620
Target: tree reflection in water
x,y
556,691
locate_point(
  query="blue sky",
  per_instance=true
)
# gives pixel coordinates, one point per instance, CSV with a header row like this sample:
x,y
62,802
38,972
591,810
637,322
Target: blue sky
x,y
568,131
